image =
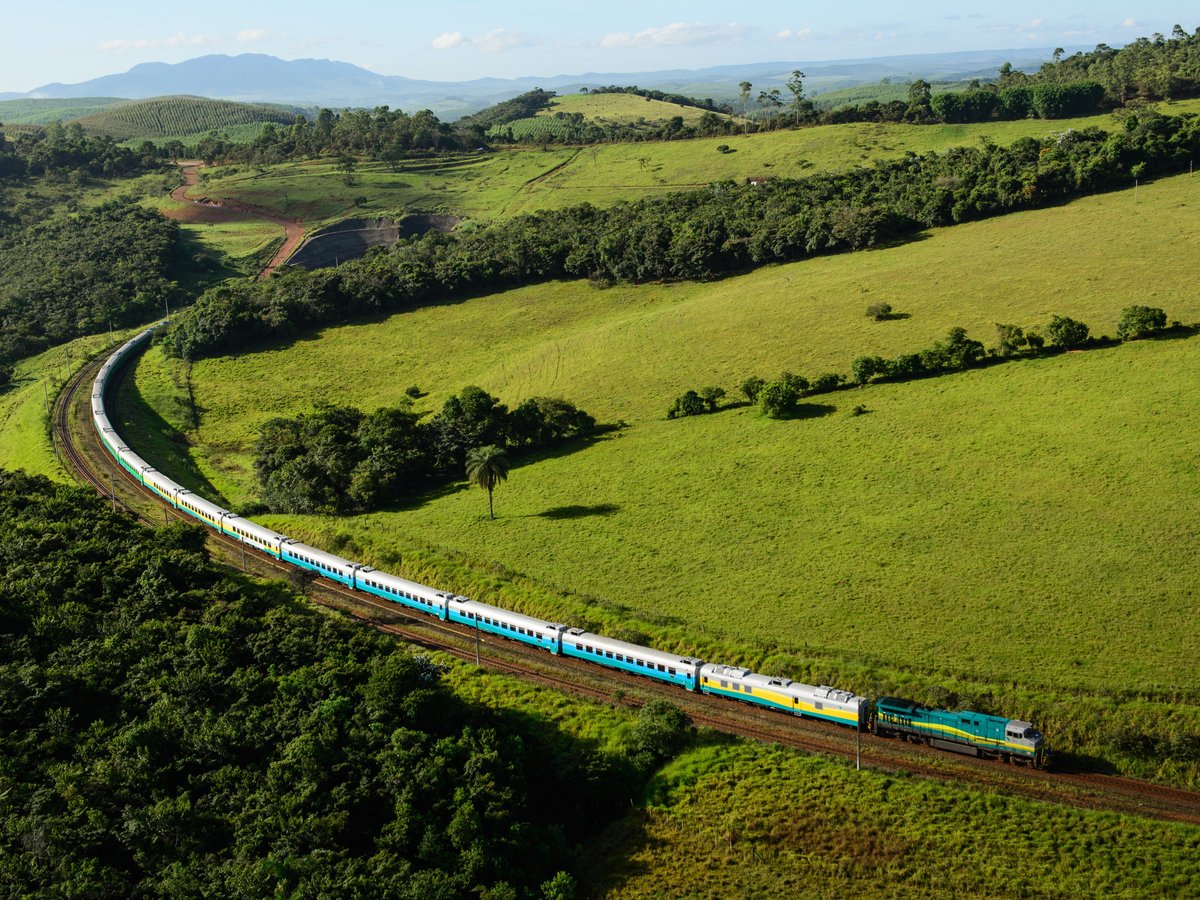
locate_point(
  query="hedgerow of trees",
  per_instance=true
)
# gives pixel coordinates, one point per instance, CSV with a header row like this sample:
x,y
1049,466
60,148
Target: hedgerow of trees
x,y
338,460
169,730
702,234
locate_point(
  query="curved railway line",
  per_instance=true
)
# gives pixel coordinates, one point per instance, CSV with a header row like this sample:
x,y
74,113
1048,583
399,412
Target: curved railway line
x,y
1084,789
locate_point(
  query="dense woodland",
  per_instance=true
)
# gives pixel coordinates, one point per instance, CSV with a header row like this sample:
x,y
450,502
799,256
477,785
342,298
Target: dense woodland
x,y
702,234
339,460
70,275
67,150
167,729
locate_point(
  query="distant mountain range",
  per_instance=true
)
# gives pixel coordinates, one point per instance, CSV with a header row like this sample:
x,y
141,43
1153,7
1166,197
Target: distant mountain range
x,y
323,82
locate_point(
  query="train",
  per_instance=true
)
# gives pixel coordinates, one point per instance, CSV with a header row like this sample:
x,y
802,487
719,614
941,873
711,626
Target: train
x,y
967,732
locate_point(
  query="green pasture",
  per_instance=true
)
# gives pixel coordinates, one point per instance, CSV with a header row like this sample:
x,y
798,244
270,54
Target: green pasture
x,y
752,821
623,109
1016,524
523,179
317,191
26,402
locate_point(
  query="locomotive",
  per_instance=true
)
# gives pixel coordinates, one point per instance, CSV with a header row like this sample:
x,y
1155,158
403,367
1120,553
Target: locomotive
x,y
965,732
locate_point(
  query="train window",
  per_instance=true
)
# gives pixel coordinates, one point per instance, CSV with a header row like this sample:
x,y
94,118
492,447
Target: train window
x,y
724,684
671,671
818,705
620,658
661,668
608,653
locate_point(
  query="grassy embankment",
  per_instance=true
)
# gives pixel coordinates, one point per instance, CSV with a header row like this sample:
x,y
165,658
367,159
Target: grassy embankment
x,y
522,179
623,109
1011,534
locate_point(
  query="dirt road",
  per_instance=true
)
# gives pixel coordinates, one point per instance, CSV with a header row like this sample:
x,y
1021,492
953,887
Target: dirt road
x,y
202,209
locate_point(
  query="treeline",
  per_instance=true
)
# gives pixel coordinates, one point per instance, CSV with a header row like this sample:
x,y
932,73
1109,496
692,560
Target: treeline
x,y
982,104
168,730
522,106
70,275
783,397
1154,68
574,128
338,460
64,150
383,134
722,229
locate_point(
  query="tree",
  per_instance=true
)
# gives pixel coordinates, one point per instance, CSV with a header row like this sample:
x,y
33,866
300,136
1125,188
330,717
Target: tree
x,y
711,397
744,88
751,386
487,467
1139,321
1066,332
800,106
920,93
880,311
779,399
770,99
864,368
688,404
1010,338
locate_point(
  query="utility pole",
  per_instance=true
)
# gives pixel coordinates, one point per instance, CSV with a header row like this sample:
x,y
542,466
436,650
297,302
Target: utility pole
x,y
243,557
858,743
112,486
477,642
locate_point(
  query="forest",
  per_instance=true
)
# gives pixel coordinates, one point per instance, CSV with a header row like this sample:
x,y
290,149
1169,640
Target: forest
x,y
339,460
697,235
170,729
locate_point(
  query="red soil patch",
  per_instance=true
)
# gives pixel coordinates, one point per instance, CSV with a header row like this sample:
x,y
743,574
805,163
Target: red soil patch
x,y
203,211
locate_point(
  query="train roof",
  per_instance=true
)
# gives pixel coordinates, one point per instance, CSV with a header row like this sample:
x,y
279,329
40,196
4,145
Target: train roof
x,y
601,642
294,547
504,615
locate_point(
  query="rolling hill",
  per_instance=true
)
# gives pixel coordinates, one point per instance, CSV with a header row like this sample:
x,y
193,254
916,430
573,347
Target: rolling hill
x,y
163,117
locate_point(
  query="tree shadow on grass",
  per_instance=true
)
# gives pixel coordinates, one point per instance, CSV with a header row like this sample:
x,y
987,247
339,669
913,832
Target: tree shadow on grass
x,y
811,411
579,511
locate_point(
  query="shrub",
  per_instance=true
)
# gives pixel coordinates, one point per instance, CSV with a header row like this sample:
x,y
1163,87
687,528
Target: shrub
x,y
778,399
864,368
1010,338
1139,321
823,384
688,404
1066,332
711,397
751,386
879,311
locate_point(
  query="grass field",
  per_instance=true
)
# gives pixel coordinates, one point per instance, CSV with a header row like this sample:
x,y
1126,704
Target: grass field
x,y
1009,530
623,109
748,821
521,180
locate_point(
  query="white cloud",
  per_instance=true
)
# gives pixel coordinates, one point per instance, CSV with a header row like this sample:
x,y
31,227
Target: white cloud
x,y
495,41
247,35
124,45
502,39
794,34
1129,22
677,34
447,40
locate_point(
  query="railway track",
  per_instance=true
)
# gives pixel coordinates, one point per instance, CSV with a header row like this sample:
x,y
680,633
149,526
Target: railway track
x,y
1090,790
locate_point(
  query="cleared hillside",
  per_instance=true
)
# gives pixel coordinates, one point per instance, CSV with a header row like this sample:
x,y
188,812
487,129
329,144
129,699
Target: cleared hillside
x,y
624,109
164,117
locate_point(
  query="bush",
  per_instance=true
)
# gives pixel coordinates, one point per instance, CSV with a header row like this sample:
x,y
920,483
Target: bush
x,y
751,386
1139,321
711,397
660,732
778,399
1066,332
688,404
879,311
823,384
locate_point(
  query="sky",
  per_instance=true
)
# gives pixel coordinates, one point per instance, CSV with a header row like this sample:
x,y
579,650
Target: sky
x,y
456,40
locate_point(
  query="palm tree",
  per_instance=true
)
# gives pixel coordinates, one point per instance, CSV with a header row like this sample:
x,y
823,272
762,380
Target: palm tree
x,y
487,467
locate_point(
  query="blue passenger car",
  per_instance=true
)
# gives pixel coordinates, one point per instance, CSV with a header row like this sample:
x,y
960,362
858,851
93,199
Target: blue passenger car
x,y
669,667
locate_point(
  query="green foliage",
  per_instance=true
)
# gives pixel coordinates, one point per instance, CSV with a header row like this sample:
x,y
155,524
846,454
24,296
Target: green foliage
x,y
779,399
1140,321
692,403
167,730
879,311
176,117
72,275
338,460
751,388
523,106
693,235
660,731
1010,339
1066,333
488,466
